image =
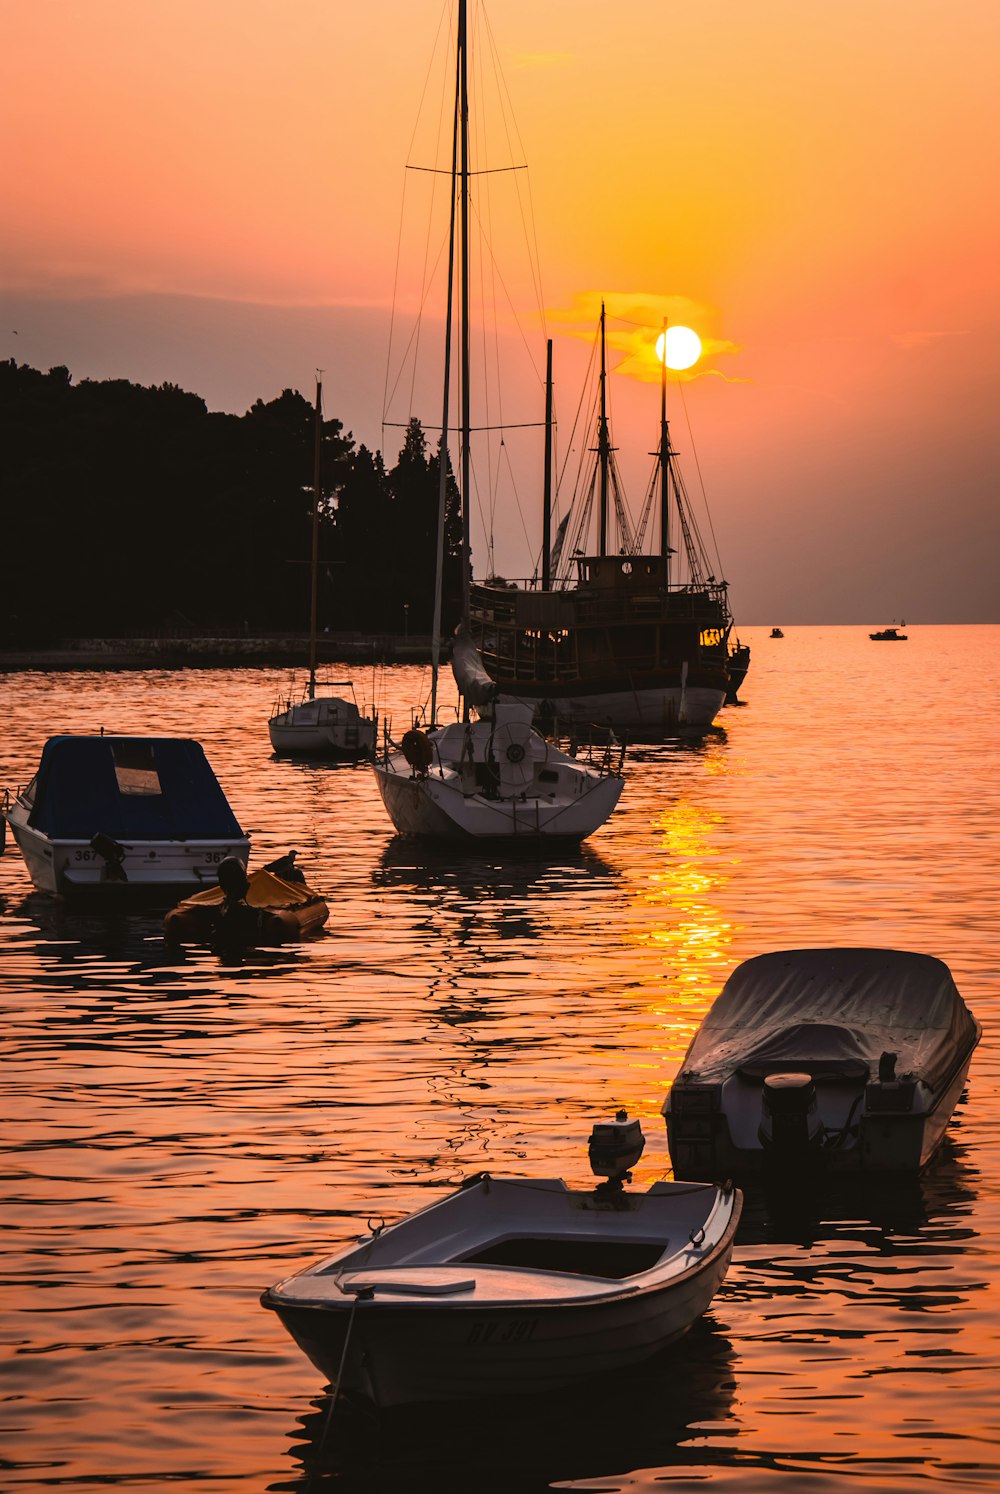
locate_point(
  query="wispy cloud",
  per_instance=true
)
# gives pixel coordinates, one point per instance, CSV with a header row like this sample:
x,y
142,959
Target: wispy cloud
x,y
922,339
634,322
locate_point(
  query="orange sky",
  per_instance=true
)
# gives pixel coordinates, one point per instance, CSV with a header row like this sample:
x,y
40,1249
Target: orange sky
x,y
211,194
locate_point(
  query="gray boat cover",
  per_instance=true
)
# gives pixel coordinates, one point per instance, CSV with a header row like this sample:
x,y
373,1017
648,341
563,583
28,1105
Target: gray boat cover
x,y
834,1011
470,675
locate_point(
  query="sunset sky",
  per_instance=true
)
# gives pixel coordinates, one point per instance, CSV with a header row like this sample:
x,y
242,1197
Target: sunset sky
x,y
211,195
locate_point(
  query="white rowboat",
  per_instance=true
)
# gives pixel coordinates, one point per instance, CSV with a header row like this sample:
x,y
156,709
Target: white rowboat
x,y
511,1286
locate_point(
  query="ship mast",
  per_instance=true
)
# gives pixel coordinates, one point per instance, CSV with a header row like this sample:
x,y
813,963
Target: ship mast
x,y
547,488
603,443
461,101
664,464
463,74
314,566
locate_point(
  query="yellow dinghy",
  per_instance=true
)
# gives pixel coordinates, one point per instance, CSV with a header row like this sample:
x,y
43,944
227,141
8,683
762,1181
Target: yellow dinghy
x,y
262,908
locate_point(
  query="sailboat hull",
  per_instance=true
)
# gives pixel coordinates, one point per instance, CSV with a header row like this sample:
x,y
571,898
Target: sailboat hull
x,y
436,807
327,727
494,779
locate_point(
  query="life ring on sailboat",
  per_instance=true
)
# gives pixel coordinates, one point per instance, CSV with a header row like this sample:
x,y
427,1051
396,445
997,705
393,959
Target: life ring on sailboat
x,y
418,749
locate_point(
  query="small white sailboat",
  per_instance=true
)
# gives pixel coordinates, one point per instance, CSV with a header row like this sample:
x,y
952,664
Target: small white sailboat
x,y
494,778
515,1285
325,726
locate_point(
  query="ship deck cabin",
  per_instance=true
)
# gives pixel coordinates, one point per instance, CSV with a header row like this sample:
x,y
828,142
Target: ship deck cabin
x,y
621,617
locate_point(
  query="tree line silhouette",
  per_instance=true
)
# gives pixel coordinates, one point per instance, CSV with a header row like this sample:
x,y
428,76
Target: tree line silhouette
x,y
132,511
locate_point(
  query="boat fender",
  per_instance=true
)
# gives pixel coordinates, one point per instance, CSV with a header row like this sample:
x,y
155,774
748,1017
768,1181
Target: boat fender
x,y
418,750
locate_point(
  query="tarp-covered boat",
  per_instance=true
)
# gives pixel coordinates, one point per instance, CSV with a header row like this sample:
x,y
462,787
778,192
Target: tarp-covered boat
x,y
106,813
850,1059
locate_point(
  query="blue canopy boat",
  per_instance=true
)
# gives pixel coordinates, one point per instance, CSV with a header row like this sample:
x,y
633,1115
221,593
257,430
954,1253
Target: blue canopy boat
x,y
107,812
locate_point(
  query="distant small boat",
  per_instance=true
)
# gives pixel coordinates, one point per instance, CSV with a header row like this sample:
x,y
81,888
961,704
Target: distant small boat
x,y
814,1060
777,633
270,906
323,726
888,635
108,815
513,1286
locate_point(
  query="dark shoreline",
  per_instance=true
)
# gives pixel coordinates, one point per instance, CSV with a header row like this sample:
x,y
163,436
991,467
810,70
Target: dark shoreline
x,y
212,653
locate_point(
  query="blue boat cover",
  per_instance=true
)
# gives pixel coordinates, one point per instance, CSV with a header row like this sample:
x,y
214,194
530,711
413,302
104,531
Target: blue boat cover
x,y
833,1011
131,788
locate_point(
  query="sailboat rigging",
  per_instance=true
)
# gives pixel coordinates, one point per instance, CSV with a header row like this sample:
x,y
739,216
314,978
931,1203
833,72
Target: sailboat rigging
x,y
494,777
326,726
627,643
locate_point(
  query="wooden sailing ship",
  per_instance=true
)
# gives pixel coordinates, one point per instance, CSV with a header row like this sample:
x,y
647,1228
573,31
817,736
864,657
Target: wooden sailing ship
x,y
617,638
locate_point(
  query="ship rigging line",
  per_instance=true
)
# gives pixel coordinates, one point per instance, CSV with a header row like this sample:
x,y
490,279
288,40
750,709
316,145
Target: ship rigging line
x,y
483,171
443,16
701,480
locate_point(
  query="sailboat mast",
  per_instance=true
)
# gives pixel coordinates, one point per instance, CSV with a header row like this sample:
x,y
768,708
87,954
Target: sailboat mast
x,y
463,71
664,464
603,442
547,489
314,572
443,448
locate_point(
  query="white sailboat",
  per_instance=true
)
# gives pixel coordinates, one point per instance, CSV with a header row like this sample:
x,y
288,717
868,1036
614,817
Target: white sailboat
x,y
496,777
327,726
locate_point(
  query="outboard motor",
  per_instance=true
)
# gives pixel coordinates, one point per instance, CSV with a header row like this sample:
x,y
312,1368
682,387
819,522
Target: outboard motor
x,y
615,1147
790,1129
113,856
233,880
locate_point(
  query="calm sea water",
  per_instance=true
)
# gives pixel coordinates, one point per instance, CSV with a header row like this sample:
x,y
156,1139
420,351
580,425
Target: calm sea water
x,y
182,1132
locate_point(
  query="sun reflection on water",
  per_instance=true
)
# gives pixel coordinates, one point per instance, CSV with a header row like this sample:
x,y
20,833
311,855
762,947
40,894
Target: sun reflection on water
x,y
686,921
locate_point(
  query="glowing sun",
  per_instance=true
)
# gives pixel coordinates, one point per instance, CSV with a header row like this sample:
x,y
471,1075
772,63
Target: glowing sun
x,y
683,347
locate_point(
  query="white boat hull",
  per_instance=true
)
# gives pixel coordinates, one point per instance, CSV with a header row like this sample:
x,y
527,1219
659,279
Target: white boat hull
x,y
66,867
463,1330
495,779
875,1141
326,727
661,711
437,807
